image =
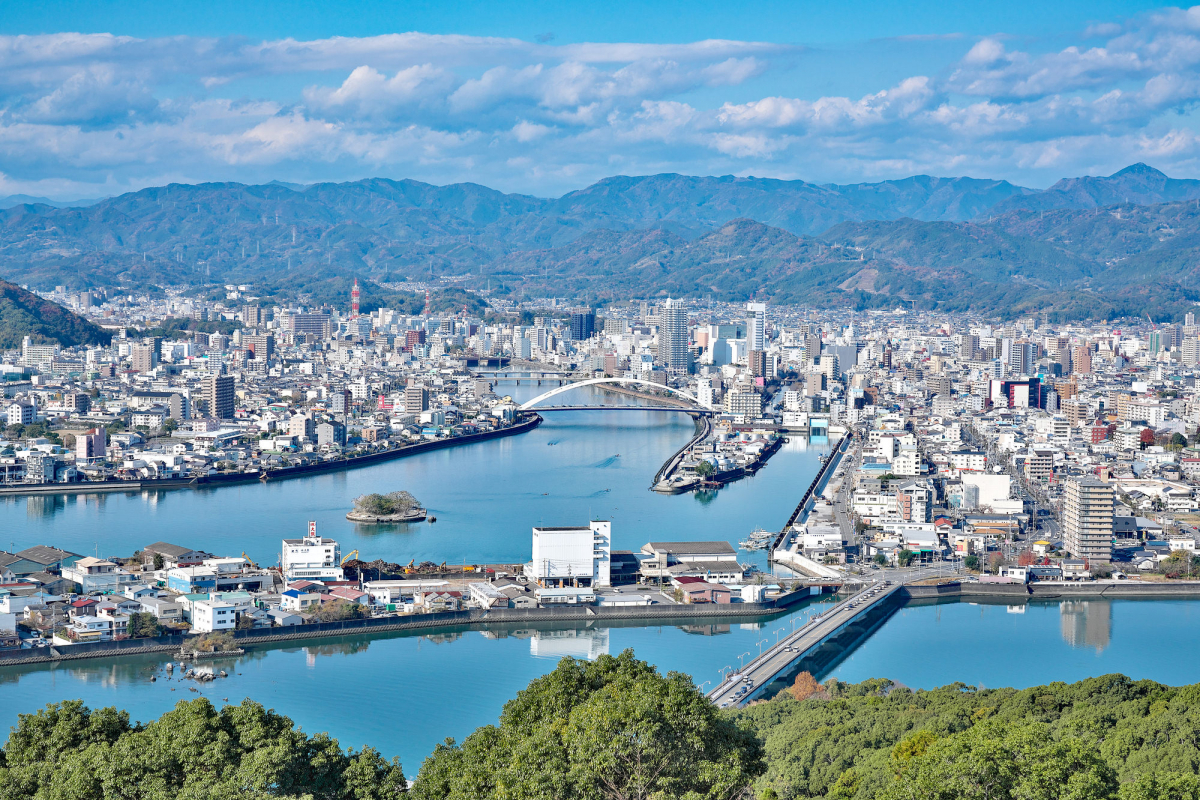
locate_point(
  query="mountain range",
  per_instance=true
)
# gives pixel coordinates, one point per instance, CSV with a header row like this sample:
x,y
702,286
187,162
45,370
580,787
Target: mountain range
x,y
1090,246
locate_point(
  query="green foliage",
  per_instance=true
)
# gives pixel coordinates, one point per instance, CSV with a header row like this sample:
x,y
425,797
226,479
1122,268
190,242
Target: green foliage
x,y
613,728
705,468
173,327
971,562
338,611
193,752
385,504
1106,737
905,557
143,625
24,314
34,430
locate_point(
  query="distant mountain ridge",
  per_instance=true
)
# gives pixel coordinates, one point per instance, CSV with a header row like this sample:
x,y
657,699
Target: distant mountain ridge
x,y
962,243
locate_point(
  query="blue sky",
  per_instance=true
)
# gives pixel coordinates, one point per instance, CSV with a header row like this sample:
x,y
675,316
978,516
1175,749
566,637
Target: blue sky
x,y
102,97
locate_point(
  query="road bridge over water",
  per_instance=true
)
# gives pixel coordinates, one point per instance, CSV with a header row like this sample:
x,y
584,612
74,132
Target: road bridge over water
x,y
752,680
682,409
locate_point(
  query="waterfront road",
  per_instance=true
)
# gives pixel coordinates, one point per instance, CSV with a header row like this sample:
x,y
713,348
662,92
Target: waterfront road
x,y
740,686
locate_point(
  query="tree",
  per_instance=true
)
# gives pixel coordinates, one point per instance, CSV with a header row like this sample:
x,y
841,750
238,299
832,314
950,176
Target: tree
x,y
70,752
805,686
1178,441
613,728
143,625
159,561
705,468
338,611
905,557
995,761
170,425
880,559
971,562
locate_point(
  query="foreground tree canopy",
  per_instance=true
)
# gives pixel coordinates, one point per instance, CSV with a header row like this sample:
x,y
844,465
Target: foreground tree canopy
x,y
1105,738
193,752
613,728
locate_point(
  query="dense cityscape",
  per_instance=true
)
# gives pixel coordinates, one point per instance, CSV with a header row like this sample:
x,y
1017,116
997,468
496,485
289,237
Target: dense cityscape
x,y
526,401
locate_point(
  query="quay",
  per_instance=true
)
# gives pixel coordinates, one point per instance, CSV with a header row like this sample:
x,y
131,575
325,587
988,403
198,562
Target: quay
x,y
752,680
467,619
786,549
531,421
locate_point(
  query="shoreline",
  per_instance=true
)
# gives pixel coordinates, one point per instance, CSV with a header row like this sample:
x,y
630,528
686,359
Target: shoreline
x,y
283,473
450,620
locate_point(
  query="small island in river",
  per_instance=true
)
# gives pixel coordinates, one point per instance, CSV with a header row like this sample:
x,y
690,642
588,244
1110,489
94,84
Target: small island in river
x,y
391,507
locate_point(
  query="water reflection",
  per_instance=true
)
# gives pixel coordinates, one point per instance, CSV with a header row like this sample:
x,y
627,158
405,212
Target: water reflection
x,y
705,630
1086,623
42,505
577,643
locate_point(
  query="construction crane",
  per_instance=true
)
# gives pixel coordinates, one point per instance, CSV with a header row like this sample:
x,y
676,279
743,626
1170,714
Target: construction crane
x,y
249,560
349,556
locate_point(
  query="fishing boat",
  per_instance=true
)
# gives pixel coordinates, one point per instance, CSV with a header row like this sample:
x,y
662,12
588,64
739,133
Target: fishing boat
x,y
759,539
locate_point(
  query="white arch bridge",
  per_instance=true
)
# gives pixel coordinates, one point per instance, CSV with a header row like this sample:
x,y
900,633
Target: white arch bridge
x,y
698,408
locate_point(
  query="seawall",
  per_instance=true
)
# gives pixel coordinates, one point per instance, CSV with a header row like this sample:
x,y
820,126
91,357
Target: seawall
x,y
416,622
1019,592
283,473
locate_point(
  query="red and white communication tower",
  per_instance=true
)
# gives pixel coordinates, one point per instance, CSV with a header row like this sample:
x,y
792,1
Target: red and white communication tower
x,y
354,295
426,312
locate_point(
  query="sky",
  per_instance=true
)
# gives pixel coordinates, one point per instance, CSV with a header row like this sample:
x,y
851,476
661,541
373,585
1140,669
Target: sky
x,y
102,97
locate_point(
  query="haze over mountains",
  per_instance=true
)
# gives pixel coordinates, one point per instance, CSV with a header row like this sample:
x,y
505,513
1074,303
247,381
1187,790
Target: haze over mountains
x,y
1098,246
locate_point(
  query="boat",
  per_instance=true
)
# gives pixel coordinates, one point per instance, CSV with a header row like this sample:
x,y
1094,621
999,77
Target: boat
x,y
759,539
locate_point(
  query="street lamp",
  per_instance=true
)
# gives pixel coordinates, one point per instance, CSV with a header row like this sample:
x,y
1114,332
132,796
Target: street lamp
x,y
742,656
722,671
760,643
779,631
706,683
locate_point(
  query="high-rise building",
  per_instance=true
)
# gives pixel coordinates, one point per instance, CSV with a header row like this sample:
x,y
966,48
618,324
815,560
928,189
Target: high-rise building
x,y
252,316
756,361
583,324
574,556
673,338
1189,319
218,393
1088,519
416,399
143,357
262,345
1082,359
756,326
318,324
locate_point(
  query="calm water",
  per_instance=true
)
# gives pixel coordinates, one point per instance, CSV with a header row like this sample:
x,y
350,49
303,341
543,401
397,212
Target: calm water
x,y
486,497
402,694
993,645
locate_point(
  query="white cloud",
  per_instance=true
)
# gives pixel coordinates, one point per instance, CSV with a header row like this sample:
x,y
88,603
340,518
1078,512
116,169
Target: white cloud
x,y
81,114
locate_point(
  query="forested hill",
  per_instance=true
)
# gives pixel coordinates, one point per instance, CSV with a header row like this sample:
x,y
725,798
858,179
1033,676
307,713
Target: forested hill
x,y
23,314
1097,247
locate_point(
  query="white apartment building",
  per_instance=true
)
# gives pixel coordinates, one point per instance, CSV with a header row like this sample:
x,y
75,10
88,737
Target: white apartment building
x,y
572,556
312,558
213,615
97,575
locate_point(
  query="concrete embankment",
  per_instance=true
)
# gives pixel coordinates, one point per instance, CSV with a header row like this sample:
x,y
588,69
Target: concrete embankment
x,y
1048,590
473,618
283,473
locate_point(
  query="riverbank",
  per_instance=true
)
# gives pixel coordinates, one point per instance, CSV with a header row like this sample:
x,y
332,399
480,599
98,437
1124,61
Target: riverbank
x,y
474,619
1050,590
281,474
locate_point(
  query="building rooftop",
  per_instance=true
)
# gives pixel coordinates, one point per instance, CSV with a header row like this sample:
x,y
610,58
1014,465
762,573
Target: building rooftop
x,y
689,548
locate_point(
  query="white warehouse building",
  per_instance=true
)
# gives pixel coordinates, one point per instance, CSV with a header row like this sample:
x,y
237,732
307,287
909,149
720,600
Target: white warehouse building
x,y
575,556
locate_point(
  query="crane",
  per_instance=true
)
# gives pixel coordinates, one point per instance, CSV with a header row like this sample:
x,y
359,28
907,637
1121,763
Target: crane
x,y
249,560
351,555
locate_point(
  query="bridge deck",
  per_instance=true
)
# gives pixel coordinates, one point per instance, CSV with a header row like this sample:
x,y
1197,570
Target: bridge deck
x,y
777,660
703,411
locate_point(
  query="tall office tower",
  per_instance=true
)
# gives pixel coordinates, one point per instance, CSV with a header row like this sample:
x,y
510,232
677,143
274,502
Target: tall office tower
x,y
1021,358
252,316
218,393
583,324
673,338
1088,519
143,357
261,345
1082,360
1156,343
1190,351
756,326
1189,319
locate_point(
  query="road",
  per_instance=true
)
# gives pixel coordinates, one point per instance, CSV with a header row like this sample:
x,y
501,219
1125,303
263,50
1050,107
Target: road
x,y
740,686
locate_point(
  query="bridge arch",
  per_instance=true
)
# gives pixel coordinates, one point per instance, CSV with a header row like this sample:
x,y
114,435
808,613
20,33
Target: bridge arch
x,y
529,404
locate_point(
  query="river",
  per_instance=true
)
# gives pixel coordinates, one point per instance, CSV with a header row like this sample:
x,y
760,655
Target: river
x,y
486,497
404,693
